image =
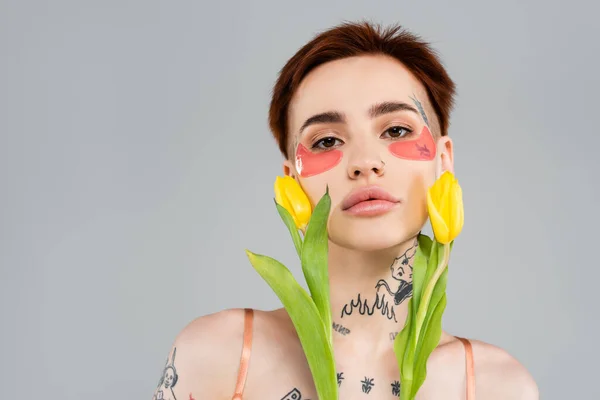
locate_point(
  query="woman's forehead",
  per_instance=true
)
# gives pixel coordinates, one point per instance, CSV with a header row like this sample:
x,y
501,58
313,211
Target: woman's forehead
x,y
352,86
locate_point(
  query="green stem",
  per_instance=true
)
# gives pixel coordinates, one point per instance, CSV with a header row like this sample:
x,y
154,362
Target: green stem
x,y
405,389
426,297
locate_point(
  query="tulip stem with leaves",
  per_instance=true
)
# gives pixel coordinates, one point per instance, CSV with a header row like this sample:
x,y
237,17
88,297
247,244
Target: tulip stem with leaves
x,y
423,327
310,314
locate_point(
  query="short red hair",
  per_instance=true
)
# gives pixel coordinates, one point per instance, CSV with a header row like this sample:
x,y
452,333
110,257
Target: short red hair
x,y
361,38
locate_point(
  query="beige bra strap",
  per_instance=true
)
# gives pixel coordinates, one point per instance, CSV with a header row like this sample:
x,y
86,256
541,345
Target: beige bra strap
x,y
245,358
470,368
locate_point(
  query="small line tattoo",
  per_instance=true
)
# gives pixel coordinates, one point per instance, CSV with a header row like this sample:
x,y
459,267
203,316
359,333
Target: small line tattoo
x,y
293,395
393,335
396,388
341,329
340,378
367,385
363,307
421,109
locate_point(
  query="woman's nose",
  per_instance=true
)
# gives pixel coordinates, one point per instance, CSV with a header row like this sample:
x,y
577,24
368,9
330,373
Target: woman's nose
x,y
366,165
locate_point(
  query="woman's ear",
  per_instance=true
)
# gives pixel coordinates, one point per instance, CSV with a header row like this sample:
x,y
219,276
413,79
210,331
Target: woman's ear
x,y
288,169
445,155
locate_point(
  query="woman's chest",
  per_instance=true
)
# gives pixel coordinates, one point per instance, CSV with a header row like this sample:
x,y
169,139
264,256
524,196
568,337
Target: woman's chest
x,y
293,381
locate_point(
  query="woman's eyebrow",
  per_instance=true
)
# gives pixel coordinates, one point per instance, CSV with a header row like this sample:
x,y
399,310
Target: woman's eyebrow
x,y
375,110
324,118
389,107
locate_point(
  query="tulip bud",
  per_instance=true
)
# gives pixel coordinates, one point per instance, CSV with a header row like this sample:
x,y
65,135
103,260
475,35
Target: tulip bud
x,y
445,207
290,196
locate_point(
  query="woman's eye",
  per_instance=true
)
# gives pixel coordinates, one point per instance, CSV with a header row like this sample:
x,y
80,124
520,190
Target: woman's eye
x,y
397,131
326,143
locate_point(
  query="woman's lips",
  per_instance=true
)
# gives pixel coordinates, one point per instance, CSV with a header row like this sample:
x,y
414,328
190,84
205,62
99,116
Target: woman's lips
x,y
368,201
370,208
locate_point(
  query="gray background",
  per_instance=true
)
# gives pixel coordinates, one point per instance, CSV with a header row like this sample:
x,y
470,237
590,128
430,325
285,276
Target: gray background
x,y
121,221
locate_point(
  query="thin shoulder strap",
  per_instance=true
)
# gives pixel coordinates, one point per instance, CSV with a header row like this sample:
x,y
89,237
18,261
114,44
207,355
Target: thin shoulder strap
x,y
245,358
470,370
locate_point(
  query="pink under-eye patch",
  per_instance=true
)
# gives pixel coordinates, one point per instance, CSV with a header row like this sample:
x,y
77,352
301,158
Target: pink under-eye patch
x,y
310,164
419,149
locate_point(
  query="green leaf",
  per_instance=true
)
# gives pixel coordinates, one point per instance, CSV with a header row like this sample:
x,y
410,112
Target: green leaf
x,y
429,341
314,261
420,263
439,291
291,225
435,255
425,243
417,350
402,346
307,321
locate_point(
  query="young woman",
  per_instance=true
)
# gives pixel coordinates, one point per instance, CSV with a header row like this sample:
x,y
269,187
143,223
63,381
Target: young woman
x,y
364,111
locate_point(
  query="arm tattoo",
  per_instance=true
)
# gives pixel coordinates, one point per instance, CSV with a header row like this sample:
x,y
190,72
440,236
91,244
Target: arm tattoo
x,y
168,380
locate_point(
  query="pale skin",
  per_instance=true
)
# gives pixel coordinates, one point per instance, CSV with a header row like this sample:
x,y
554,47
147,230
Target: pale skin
x,y
363,251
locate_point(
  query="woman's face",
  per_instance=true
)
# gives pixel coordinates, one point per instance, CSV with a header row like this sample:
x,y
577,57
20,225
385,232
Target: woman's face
x,y
366,122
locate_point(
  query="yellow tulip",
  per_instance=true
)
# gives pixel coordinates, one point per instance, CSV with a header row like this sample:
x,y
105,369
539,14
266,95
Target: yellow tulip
x,y
445,207
290,196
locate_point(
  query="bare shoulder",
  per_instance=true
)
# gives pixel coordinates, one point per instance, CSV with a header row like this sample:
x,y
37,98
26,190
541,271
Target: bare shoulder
x,y
204,359
499,375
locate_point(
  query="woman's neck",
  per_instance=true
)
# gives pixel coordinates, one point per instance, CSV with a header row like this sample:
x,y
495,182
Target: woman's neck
x,y
369,294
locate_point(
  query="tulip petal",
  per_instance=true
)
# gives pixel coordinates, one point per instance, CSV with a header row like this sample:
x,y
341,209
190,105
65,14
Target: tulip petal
x,y
440,229
289,194
444,206
282,199
458,214
300,202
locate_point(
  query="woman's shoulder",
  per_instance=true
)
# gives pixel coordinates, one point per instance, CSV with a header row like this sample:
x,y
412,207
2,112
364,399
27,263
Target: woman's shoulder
x,y
223,332
498,374
206,354
217,326
227,325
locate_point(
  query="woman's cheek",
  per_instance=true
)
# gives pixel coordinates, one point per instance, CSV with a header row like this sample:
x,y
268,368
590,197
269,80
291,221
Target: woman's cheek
x,y
311,164
419,149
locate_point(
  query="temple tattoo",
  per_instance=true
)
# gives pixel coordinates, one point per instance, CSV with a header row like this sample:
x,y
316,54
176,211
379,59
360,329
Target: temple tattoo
x,y
421,109
399,272
363,307
294,395
393,335
168,380
339,328
396,388
340,378
367,385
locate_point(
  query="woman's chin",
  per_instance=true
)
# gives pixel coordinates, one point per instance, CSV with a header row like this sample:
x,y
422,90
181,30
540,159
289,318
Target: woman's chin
x,y
371,237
